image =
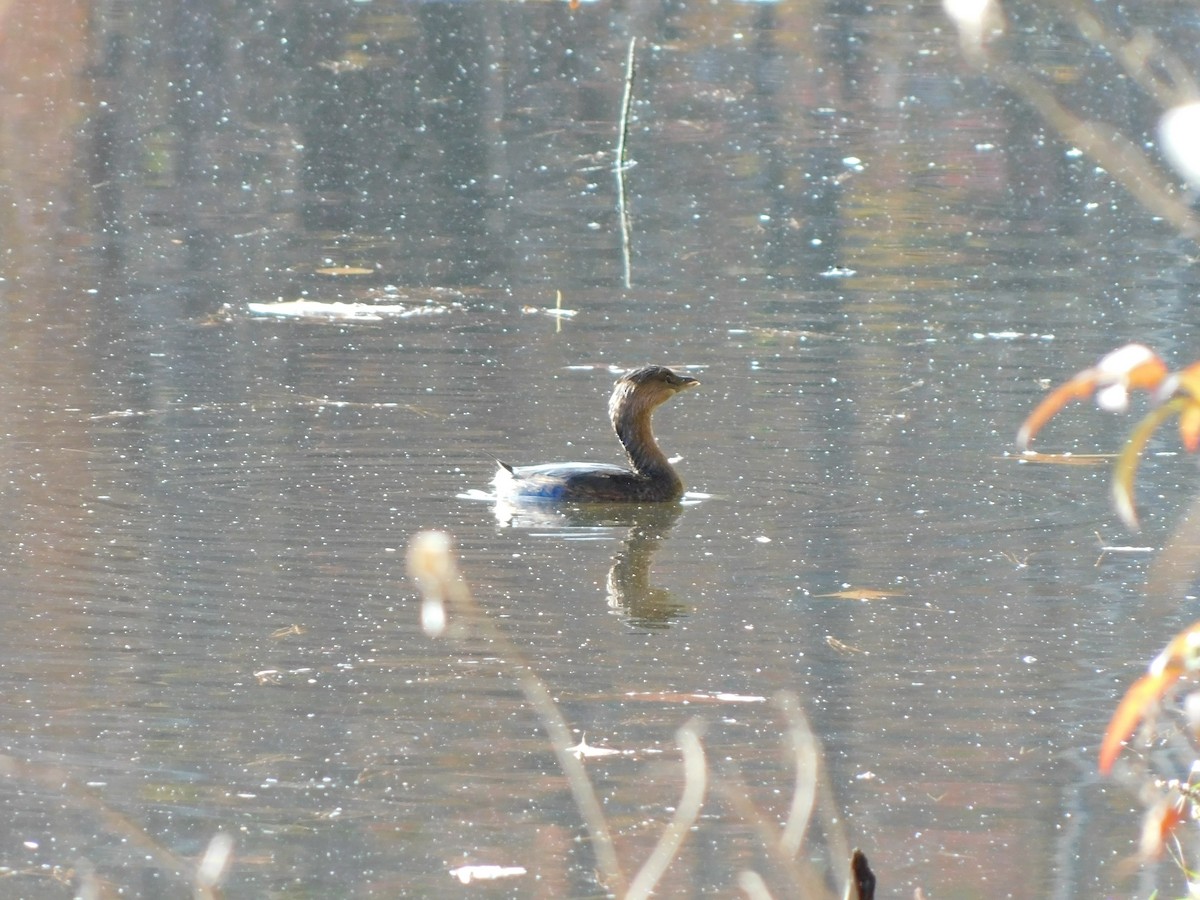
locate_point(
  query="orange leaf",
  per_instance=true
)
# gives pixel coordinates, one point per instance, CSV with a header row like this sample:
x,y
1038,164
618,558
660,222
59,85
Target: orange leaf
x,y
1125,469
1140,699
1077,388
1189,426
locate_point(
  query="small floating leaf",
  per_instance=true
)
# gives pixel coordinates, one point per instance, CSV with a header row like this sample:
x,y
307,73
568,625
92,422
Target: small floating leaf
x,y
863,594
1063,459
339,271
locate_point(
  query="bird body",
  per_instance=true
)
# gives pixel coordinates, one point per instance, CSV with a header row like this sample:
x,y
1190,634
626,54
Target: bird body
x,y
649,477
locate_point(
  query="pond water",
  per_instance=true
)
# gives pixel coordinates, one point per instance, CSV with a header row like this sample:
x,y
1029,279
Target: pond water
x,y
872,257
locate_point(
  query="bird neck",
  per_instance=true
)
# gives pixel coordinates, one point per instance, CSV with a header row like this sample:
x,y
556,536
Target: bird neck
x,y
630,414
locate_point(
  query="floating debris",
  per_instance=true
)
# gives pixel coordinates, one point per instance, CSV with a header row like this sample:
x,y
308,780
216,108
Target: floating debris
x,y
341,271
342,311
558,313
1010,336
863,594
467,874
697,697
584,750
549,311
1065,458
843,647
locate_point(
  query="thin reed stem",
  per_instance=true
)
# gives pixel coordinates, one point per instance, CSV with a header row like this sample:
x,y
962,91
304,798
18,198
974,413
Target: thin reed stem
x,y
803,745
620,164
695,784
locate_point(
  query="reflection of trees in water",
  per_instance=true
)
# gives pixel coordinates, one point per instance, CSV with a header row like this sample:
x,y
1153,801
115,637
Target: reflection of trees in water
x,y
628,585
221,136
460,144
377,134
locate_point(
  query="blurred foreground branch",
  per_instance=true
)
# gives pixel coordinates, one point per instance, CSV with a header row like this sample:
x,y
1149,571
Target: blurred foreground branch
x,y
447,607
1145,60
203,879
444,593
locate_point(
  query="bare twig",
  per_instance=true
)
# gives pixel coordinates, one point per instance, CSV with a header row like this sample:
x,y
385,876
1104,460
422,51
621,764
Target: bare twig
x,y
1120,157
620,164
626,105
1123,159
1136,54
801,879
831,825
812,787
214,864
449,609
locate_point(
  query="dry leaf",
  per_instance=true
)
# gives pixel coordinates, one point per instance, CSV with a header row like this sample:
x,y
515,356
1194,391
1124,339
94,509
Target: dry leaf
x,y
842,647
344,270
863,594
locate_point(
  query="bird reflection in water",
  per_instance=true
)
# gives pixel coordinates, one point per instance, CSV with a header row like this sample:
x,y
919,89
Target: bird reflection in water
x,y
629,587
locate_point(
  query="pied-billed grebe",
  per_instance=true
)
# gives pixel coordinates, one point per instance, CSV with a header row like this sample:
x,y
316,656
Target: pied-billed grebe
x,y
649,478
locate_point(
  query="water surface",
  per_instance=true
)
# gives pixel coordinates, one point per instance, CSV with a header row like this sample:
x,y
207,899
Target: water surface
x,y
871,258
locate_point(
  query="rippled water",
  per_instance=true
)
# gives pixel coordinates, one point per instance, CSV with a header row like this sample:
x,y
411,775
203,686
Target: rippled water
x,y
872,263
